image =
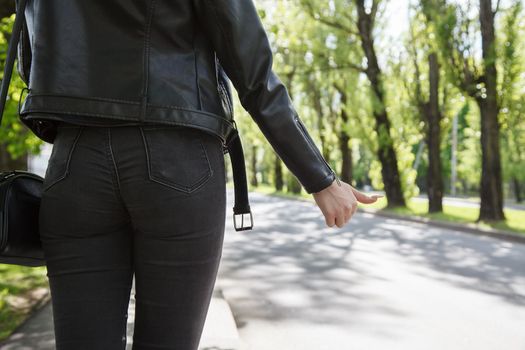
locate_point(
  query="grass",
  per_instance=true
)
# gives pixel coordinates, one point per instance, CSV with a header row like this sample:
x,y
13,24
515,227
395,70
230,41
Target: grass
x,y
16,298
515,219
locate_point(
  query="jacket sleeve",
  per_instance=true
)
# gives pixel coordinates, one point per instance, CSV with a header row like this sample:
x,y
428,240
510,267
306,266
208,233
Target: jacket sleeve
x,y
23,62
242,46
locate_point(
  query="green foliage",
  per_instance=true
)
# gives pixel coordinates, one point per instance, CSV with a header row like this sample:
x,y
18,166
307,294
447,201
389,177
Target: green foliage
x,y
512,92
16,280
458,214
318,52
14,134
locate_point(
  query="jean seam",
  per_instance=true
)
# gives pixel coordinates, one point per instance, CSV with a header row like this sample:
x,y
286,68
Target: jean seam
x,y
115,169
68,161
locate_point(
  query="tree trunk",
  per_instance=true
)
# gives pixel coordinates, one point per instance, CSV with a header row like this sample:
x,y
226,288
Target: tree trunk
x,y
491,192
517,189
346,155
7,8
385,150
434,175
316,103
293,185
278,176
254,181
344,138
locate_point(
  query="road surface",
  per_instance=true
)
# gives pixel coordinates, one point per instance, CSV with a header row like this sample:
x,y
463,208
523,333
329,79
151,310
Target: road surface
x,y
378,283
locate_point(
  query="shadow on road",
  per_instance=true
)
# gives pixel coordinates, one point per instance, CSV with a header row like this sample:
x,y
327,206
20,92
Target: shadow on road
x,y
291,249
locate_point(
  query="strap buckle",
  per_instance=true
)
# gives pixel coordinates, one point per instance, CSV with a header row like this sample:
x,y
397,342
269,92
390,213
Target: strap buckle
x,y
242,227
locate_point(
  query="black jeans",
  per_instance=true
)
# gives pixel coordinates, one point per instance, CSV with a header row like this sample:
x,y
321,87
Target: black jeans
x,y
124,200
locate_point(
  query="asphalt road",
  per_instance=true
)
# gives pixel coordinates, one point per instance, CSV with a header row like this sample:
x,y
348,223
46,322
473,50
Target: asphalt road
x,y
378,283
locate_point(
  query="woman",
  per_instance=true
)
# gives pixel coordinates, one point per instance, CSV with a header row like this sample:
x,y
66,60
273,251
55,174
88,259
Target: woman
x,y
129,93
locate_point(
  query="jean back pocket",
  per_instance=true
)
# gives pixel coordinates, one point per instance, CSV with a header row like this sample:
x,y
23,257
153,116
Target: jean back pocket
x,y
176,157
60,158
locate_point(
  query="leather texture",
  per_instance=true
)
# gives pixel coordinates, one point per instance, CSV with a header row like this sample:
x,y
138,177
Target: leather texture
x,y
162,61
20,194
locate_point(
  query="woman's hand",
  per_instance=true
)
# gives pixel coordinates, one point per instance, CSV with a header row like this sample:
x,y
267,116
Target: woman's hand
x,y
338,202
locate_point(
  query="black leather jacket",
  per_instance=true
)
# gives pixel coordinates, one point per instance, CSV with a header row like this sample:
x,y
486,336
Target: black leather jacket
x,y
160,61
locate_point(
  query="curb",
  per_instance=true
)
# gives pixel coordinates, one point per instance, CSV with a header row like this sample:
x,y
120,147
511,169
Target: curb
x,y
468,228
220,330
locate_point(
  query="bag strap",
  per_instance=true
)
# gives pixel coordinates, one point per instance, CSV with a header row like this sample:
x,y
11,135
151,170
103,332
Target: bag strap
x,y
11,54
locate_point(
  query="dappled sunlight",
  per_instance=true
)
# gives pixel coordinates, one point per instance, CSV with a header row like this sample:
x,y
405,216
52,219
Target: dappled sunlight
x,y
367,274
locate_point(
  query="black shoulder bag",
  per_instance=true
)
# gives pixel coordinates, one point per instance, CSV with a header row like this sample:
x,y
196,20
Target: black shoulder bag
x,y
20,191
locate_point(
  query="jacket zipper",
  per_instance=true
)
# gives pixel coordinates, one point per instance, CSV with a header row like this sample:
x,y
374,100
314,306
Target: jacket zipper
x,y
302,128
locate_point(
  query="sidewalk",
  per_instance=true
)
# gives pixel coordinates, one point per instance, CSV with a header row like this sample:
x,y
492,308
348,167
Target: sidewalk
x,y
220,331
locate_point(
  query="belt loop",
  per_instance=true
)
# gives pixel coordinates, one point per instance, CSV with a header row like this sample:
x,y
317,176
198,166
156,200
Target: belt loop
x,y
20,98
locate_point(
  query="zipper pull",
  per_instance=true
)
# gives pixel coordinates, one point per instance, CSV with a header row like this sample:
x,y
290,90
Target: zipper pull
x,y
337,179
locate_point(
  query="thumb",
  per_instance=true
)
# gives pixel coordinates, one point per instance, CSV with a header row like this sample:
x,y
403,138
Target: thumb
x,y
363,198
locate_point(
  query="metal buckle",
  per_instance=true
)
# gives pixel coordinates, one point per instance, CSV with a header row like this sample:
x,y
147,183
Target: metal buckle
x,y
242,227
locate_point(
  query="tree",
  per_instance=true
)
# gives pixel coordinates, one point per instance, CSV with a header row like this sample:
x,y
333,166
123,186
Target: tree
x,y
17,139
340,16
7,8
513,98
480,82
429,109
